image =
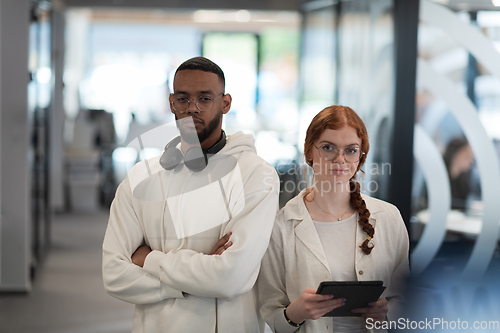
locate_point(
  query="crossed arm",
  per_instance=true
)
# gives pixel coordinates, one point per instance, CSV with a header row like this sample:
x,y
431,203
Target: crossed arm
x,y
222,245
129,276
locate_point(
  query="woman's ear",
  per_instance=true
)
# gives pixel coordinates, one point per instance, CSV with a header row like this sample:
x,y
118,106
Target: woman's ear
x,y
226,103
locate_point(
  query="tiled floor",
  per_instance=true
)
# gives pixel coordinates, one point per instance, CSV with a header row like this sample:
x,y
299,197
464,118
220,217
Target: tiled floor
x,y
68,295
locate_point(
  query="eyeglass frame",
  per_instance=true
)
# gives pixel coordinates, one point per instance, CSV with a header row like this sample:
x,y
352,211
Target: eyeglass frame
x,y
195,102
343,154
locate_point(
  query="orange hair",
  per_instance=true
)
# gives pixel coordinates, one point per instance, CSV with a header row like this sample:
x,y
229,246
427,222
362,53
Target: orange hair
x,y
335,117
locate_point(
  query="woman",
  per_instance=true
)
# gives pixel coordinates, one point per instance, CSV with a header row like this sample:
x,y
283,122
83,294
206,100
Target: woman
x,y
332,232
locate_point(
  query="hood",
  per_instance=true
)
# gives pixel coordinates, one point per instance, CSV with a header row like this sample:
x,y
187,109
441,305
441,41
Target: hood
x,y
238,143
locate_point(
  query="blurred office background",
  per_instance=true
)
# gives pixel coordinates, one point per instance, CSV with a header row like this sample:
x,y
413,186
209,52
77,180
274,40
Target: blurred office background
x,y
81,79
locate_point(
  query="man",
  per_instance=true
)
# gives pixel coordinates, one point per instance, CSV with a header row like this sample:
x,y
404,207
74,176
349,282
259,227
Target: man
x,y
189,261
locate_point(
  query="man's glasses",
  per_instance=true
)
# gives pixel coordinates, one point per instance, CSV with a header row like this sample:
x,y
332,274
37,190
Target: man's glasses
x,y
203,103
330,152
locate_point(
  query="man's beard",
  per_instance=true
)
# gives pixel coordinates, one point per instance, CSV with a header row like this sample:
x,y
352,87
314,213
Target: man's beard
x,y
203,134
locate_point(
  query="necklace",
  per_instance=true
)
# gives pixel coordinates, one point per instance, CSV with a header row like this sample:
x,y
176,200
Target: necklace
x,y
337,218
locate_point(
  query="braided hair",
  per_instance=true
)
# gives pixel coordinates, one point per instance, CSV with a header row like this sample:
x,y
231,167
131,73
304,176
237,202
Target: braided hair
x,y
359,204
335,117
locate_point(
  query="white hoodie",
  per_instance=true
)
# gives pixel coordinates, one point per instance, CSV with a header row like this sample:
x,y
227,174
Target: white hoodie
x,y
181,214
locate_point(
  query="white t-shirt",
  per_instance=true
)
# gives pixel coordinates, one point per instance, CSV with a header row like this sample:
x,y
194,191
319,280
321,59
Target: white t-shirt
x,y
338,240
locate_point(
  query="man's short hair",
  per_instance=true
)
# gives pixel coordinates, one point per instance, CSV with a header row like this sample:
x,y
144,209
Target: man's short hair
x,y
202,64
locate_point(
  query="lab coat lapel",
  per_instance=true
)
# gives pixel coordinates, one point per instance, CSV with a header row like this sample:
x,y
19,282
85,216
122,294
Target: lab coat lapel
x,y
307,233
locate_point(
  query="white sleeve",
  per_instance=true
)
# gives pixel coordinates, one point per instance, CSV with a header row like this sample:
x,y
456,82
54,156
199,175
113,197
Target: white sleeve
x,y
271,284
401,272
122,278
235,271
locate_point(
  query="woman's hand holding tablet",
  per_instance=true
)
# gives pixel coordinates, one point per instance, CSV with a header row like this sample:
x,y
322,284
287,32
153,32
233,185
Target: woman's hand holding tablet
x,y
358,296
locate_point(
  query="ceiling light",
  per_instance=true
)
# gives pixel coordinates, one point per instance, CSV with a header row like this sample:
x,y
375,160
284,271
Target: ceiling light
x,y
242,16
207,16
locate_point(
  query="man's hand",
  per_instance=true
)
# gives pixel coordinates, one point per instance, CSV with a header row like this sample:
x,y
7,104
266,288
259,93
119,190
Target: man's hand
x,y
140,254
222,245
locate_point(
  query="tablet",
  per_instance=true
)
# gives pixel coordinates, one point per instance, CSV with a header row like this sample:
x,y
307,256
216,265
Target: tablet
x,y
357,294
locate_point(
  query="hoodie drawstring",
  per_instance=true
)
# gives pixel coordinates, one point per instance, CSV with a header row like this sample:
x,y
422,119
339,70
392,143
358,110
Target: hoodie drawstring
x,y
181,230
162,217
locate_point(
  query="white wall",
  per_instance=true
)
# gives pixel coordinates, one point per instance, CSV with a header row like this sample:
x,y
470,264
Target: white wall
x,y
15,244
